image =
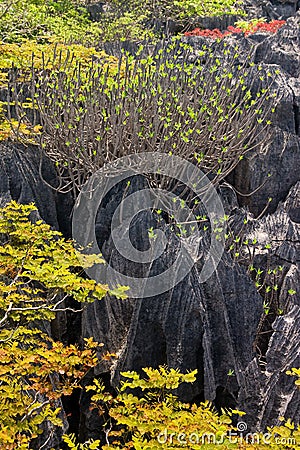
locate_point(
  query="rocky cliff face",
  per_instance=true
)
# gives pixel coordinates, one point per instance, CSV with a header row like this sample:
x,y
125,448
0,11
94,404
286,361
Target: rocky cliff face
x,y
24,179
219,325
281,156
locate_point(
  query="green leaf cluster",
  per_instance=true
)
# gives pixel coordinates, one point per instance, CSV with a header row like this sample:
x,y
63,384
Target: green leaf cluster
x,y
53,56
167,101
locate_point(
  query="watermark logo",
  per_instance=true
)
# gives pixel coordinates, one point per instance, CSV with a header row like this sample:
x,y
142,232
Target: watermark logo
x,y
237,436
241,426
178,171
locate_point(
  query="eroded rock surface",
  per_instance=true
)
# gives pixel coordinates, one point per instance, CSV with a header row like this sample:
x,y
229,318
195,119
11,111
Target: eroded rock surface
x,y
216,326
275,165
213,326
268,390
20,180
221,325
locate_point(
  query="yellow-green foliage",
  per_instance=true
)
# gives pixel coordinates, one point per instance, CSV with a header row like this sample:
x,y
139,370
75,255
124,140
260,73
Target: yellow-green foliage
x,y
32,251
247,25
12,129
35,372
48,56
147,415
198,8
295,373
51,56
177,9
62,20
38,270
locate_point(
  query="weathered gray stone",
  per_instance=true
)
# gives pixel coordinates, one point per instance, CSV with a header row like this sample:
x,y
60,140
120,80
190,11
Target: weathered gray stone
x,y
271,393
218,325
20,180
271,9
96,10
213,326
274,165
267,389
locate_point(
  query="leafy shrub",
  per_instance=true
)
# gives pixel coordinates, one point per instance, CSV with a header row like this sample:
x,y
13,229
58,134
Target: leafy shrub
x,y
146,407
38,270
65,21
197,8
198,108
68,21
48,55
146,414
178,9
51,56
130,26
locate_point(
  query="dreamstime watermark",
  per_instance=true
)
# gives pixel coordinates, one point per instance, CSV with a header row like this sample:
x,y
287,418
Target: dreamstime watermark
x,y
238,436
132,203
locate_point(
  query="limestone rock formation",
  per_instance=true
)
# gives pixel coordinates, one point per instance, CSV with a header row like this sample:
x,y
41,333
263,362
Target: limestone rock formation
x,y
280,157
20,180
268,390
220,325
213,326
